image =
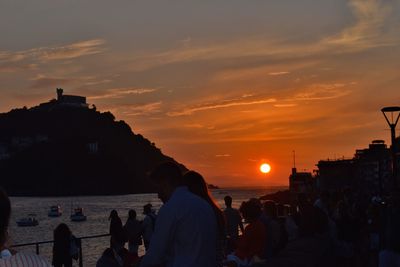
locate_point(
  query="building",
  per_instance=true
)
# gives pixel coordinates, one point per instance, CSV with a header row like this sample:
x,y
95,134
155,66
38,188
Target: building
x,y
300,182
370,170
334,175
374,167
70,100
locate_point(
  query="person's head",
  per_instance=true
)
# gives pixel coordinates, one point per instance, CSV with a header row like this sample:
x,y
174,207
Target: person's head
x,y
167,176
196,184
132,214
113,215
147,208
228,201
250,210
270,209
62,232
5,212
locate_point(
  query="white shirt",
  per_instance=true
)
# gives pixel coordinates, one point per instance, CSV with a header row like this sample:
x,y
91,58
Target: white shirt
x,y
185,234
24,260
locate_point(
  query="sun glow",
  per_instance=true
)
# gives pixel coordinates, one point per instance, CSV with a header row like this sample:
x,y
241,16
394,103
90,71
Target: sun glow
x,y
265,168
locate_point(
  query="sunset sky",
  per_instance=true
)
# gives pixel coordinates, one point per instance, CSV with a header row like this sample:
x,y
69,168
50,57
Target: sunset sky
x,y
221,86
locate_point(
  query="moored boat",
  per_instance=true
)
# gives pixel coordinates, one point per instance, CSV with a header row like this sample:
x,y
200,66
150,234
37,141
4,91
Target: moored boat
x,y
78,215
55,211
30,220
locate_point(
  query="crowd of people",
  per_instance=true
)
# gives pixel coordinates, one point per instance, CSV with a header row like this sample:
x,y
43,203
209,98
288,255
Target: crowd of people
x,y
191,230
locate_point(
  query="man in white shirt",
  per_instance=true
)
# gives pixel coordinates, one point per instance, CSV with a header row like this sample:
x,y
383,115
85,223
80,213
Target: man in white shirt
x,y
186,229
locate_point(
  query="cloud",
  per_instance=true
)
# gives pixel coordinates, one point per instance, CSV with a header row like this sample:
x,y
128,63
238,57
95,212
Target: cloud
x,y
10,67
278,73
45,82
145,109
74,50
373,27
219,105
11,61
121,92
322,92
222,155
368,29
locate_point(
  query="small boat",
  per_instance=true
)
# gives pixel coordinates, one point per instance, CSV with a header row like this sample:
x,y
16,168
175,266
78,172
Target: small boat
x,y
78,215
55,211
28,221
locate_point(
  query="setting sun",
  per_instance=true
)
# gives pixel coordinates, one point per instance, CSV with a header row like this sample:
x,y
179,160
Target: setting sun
x,y
265,168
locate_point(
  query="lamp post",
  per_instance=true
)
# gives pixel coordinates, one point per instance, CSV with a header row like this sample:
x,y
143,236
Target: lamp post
x,y
392,115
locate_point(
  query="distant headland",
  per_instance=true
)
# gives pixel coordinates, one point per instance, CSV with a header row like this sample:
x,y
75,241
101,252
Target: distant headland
x,y
65,147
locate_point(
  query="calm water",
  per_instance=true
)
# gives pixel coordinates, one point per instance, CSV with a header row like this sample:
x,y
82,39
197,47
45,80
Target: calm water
x,y
97,209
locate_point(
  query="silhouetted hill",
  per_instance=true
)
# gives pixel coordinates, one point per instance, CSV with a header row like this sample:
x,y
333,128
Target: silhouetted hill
x,y
55,149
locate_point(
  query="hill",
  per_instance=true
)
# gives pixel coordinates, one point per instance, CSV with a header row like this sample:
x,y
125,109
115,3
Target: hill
x,y
60,148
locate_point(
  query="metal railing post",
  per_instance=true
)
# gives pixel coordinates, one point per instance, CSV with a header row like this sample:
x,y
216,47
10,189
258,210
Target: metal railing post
x,y
80,253
37,244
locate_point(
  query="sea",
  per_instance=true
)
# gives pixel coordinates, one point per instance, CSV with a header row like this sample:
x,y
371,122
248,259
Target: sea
x,y
97,210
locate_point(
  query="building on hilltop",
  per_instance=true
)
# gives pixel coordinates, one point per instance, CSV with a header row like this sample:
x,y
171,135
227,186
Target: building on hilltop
x,y
70,100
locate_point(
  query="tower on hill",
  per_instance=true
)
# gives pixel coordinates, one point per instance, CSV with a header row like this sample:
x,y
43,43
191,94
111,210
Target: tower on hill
x,y
70,100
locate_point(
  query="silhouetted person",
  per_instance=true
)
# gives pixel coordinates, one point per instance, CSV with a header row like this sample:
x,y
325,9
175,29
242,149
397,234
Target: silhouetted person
x,y
390,256
186,228
116,230
198,186
133,228
233,220
9,257
112,257
273,229
251,243
291,227
148,225
64,241
304,216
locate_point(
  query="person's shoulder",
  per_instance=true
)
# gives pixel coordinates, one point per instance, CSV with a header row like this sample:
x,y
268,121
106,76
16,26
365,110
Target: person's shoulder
x,y
30,259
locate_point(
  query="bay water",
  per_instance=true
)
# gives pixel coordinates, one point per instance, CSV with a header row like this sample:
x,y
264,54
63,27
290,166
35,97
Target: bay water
x,y
97,210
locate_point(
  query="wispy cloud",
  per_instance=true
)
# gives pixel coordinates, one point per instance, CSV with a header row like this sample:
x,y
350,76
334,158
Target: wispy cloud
x,y
74,50
27,59
278,73
219,105
322,92
145,109
121,92
222,155
368,30
42,81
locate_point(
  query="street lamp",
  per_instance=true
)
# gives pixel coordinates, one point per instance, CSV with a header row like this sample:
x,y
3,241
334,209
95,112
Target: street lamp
x,y
392,115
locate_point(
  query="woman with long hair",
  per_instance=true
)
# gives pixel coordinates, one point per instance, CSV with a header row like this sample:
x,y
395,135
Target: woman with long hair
x,y
116,231
198,186
62,248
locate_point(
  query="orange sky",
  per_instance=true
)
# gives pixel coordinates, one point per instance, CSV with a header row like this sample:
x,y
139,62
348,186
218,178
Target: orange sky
x,y
220,86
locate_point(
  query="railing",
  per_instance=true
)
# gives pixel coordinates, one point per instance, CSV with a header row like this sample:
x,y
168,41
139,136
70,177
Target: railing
x,y
37,245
